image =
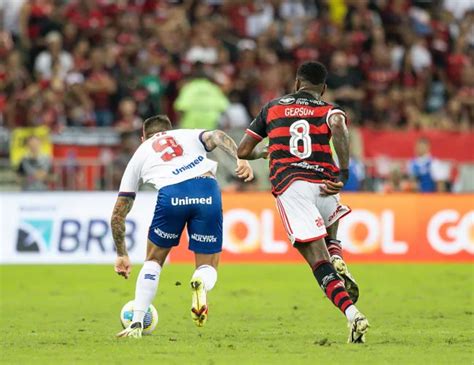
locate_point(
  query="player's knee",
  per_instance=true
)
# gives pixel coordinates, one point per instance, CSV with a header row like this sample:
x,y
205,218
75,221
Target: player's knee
x,y
158,261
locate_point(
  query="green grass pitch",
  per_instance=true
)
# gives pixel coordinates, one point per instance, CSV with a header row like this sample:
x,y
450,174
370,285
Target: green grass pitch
x,y
259,314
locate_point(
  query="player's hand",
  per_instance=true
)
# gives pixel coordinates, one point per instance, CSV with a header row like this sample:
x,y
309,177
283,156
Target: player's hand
x,y
123,267
334,187
264,152
244,170
331,188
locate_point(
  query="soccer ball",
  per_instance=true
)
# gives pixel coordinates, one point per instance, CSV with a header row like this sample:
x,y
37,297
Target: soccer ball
x,y
149,322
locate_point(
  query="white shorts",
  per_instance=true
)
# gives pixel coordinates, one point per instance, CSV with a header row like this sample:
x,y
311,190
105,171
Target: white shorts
x,y
306,213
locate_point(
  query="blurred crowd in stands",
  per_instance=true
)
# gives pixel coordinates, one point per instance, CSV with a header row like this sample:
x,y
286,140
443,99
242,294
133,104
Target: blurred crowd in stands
x,y
394,64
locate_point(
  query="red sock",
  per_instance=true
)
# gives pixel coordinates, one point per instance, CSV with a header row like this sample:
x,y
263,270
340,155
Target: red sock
x,y
332,285
334,247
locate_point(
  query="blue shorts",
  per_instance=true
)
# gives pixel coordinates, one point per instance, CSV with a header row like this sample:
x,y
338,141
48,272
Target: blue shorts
x,y
196,203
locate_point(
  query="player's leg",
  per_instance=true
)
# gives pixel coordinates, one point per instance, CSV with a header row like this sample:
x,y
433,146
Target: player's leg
x,y
335,252
333,245
316,255
164,233
332,211
307,231
205,240
148,280
203,280
146,288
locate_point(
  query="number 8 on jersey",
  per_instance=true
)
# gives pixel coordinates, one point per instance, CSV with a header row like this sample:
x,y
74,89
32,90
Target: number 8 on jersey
x,y
299,131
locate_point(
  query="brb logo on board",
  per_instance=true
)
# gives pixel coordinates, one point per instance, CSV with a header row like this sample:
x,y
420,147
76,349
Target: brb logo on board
x,y
34,235
42,235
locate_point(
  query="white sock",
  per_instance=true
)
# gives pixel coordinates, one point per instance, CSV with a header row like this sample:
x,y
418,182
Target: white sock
x,y
145,291
351,312
207,274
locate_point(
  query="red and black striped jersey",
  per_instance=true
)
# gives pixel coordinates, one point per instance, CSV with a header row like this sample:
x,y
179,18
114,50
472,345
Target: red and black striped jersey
x,y
299,134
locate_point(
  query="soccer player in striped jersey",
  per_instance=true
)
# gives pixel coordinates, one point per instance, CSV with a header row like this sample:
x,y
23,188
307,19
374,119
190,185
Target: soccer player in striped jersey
x,y
306,181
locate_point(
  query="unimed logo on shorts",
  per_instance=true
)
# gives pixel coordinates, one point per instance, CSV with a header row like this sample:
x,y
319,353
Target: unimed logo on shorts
x,y
191,201
34,235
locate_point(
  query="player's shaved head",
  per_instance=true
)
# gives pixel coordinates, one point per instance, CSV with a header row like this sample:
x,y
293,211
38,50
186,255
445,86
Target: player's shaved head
x,y
155,124
313,75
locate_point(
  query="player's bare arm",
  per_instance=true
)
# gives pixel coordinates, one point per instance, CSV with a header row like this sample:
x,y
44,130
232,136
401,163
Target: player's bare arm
x,y
340,140
122,207
220,139
248,149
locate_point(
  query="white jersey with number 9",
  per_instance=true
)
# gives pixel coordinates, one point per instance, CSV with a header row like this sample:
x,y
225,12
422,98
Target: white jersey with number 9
x,y
167,158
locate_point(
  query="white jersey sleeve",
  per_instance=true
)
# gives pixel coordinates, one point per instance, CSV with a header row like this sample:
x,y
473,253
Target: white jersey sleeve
x,y
132,176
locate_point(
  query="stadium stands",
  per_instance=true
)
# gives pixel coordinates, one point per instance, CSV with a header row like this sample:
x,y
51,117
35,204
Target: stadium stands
x,y
82,75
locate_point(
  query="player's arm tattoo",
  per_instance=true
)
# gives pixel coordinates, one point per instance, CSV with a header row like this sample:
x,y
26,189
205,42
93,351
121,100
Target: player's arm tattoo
x,y
123,205
220,139
340,139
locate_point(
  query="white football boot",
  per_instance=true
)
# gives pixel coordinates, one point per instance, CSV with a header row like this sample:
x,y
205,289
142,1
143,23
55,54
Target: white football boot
x,y
358,328
349,281
135,330
199,308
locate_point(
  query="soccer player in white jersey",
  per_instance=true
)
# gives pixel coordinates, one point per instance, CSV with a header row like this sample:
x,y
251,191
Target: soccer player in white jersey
x,y
175,163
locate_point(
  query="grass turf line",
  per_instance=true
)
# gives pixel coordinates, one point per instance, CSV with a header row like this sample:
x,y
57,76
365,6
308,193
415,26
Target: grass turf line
x,y
259,314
